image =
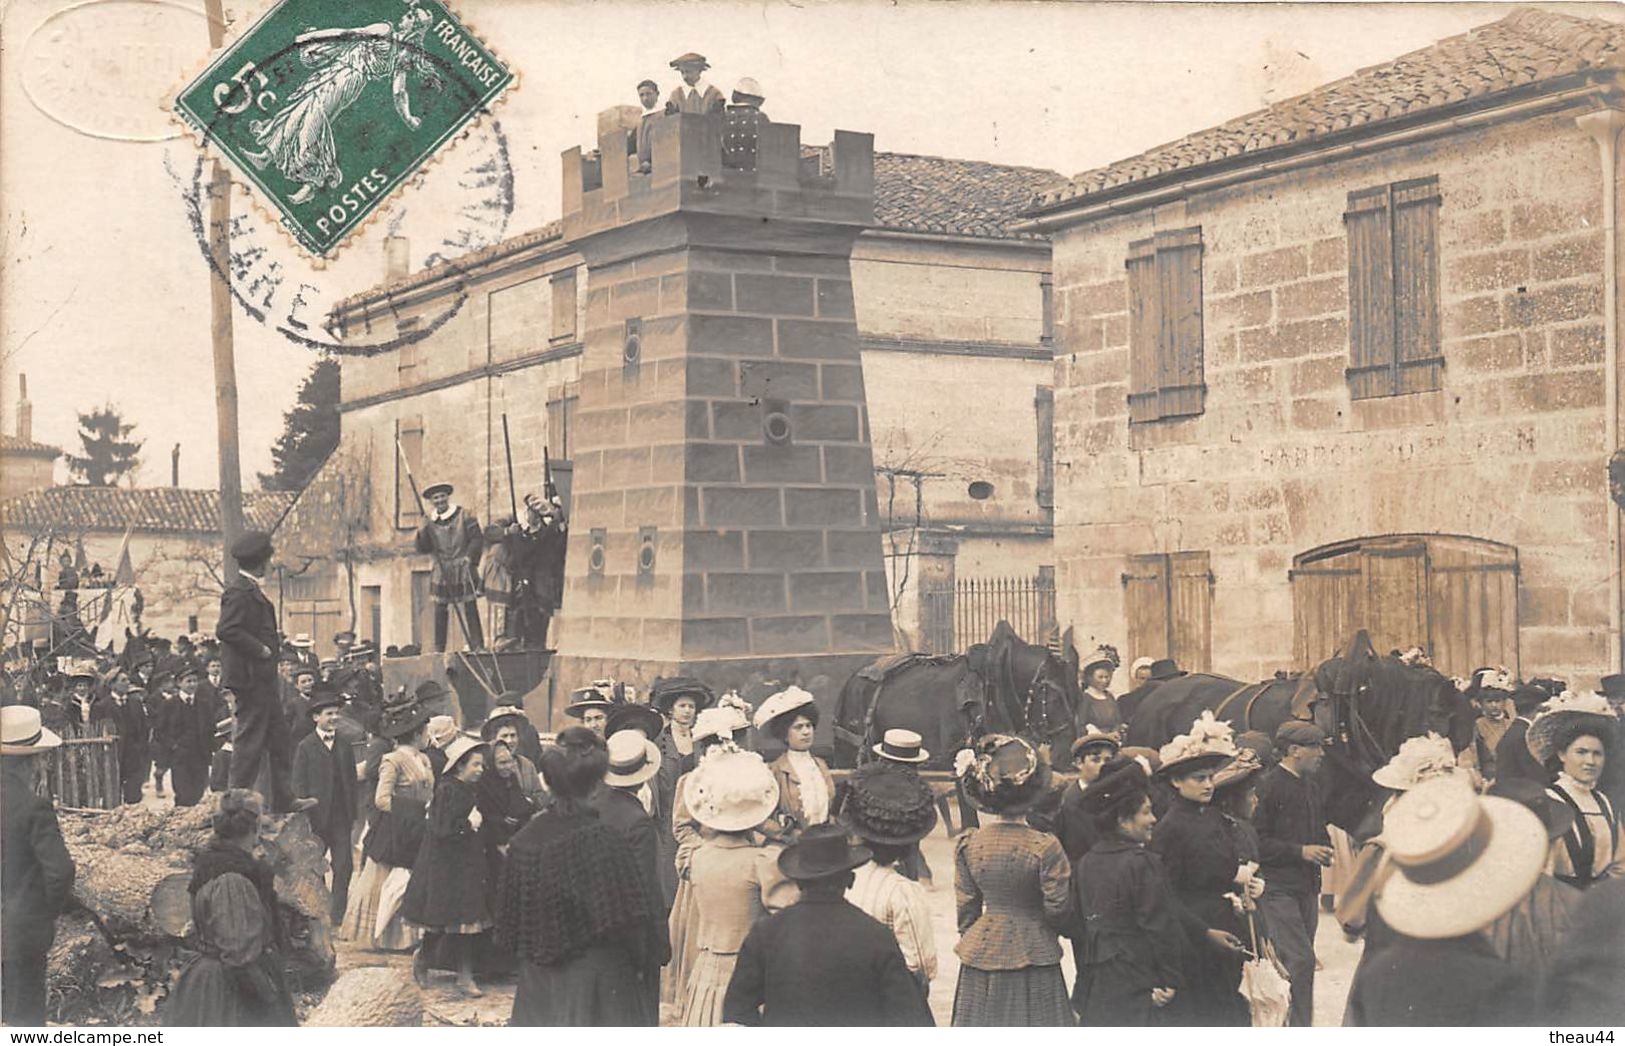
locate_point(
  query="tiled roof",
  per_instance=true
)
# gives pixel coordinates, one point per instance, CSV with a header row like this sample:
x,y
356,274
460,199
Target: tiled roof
x,y
1527,47
146,509
26,446
933,194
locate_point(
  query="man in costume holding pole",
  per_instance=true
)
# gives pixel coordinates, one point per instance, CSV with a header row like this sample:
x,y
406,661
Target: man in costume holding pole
x,y
453,537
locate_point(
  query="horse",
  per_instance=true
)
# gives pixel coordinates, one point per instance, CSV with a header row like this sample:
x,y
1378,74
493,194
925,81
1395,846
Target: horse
x,y
1005,685
1367,705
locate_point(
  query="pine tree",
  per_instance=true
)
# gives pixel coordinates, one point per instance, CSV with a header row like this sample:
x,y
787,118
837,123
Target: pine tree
x,y
310,430
110,453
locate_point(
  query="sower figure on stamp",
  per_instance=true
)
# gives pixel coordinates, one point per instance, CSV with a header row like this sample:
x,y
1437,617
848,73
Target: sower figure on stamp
x,y
249,644
453,537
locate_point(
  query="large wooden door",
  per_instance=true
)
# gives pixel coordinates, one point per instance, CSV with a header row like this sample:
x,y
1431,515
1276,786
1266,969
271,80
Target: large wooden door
x,y
1168,600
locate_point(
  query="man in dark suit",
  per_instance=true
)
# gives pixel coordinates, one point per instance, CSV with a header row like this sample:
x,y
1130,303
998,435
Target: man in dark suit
x,y
324,770
188,733
823,961
1513,760
634,761
248,651
123,707
36,873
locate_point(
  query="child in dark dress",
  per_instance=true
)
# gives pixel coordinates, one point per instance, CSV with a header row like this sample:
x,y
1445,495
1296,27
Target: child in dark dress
x,y
447,896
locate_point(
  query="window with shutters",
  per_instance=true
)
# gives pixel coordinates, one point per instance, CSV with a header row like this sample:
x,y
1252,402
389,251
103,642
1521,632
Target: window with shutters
x,y
564,306
409,452
1456,597
1393,234
1165,326
1169,602
1044,407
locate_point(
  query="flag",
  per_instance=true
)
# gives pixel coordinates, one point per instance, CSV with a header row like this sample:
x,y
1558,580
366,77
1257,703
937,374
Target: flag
x,y
125,574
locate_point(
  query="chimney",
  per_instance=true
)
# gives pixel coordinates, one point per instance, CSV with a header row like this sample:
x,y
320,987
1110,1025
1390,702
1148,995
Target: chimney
x,y
175,466
25,411
397,257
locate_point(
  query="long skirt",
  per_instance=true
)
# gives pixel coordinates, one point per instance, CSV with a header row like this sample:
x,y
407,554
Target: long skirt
x,y
597,989
361,919
684,925
707,984
1031,997
210,994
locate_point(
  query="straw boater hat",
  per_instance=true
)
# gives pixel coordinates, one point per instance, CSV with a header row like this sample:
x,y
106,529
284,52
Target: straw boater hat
x,y
459,747
1002,774
1457,861
22,732
633,759
784,702
883,806
731,790
1209,745
499,713
302,641
1094,737
665,692
901,746
1570,714
1418,759
822,850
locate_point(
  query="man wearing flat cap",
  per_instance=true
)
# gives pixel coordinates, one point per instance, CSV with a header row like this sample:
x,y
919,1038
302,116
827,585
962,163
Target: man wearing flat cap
x,y
694,95
248,650
1293,846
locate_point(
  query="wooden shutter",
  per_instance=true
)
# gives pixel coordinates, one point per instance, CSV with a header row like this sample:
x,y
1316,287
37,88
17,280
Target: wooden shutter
x,y
1144,331
1418,361
1046,299
1190,601
408,509
1371,317
1044,405
1145,605
1473,603
1180,387
564,306
1395,609
1327,586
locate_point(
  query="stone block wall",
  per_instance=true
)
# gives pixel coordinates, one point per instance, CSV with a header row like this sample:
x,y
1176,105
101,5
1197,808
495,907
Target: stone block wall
x,y
1510,449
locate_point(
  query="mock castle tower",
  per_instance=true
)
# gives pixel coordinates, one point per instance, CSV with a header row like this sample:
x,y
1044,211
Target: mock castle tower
x,y
724,522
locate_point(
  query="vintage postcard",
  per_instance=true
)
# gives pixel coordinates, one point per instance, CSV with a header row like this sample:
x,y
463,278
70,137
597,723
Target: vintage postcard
x,y
716,513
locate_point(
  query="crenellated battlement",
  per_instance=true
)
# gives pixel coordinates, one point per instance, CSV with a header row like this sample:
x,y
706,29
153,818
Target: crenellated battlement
x,y
725,163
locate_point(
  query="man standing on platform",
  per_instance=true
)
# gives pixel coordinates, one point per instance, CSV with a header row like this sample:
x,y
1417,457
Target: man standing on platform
x,y
694,95
248,652
453,537
1293,847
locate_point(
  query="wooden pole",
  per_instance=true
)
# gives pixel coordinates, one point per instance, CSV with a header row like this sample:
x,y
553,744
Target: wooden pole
x,y
225,363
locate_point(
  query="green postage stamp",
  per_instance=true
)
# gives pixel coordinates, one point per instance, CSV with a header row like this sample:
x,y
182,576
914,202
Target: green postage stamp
x,y
328,108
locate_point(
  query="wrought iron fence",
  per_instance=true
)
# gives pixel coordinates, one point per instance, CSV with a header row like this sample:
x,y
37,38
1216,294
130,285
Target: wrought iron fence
x,y
966,612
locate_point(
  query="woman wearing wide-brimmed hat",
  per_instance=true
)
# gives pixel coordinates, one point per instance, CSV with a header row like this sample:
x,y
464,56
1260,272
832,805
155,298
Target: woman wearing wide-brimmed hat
x,y
891,812
736,880
405,786
447,895
1454,862
726,722
575,906
1099,705
38,871
1205,866
680,699
1574,737
1012,884
806,789
1528,936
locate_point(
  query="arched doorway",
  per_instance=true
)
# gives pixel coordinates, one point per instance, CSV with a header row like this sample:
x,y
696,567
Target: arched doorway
x,y
1456,596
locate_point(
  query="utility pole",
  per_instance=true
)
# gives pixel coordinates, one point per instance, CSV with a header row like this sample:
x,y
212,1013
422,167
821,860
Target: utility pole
x,y
225,363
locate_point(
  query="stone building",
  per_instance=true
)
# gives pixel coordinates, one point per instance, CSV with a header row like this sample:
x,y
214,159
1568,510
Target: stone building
x,y
1353,360
950,300
170,537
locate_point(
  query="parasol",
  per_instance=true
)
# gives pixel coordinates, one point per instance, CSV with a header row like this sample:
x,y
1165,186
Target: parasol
x,y
1264,983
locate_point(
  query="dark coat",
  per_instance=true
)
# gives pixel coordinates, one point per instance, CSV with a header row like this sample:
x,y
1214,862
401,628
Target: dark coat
x,y
621,810
1289,817
36,873
185,732
329,778
1582,986
1073,825
1458,982
823,962
134,732
1200,857
1132,935
248,641
448,886
1513,758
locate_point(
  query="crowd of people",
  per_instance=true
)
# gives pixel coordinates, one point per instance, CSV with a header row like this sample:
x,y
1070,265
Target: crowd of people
x,y
648,858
